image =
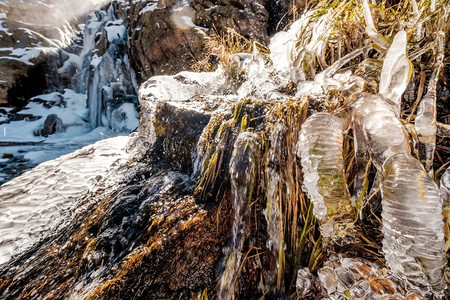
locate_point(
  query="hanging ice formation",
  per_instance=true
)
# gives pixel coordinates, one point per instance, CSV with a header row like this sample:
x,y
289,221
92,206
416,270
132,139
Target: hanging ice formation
x,y
410,198
413,242
320,149
274,206
412,222
425,123
445,198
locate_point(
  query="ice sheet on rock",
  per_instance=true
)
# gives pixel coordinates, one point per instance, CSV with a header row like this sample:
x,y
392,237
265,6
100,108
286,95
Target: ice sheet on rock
x,y
286,52
2,20
42,198
72,115
125,118
261,79
115,31
413,241
26,55
188,90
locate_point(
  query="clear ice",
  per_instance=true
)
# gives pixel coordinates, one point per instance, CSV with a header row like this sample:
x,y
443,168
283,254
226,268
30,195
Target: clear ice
x,y
425,123
378,128
396,71
445,198
413,242
274,206
320,148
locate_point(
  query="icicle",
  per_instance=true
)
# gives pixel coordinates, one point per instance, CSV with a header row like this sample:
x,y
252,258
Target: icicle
x,y
328,72
445,198
371,31
243,166
362,157
425,123
413,241
419,34
320,149
396,71
382,130
274,190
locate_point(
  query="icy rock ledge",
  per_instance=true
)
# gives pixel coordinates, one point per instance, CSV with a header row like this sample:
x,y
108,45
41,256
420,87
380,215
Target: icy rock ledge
x,y
47,196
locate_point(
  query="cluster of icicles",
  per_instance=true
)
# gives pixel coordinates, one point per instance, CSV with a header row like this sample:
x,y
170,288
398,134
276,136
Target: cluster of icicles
x,y
413,225
413,242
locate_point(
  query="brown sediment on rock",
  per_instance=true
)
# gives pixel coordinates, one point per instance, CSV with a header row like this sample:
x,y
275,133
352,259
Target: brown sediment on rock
x,y
178,260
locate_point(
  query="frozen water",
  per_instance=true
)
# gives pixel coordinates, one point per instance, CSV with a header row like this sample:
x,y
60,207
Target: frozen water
x,y
445,198
274,206
46,196
107,104
320,148
382,130
396,71
370,26
425,123
413,241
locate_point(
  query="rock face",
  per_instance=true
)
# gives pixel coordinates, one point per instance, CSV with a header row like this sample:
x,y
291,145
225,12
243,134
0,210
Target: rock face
x,y
132,225
28,60
167,37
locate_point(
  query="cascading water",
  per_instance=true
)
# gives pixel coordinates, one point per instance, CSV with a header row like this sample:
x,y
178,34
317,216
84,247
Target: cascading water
x,y
107,77
94,88
274,206
243,172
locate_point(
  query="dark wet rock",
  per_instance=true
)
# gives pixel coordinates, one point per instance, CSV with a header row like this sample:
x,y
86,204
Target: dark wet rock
x,y
21,117
248,18
52,125
144,235
157,46
25,80
177,133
